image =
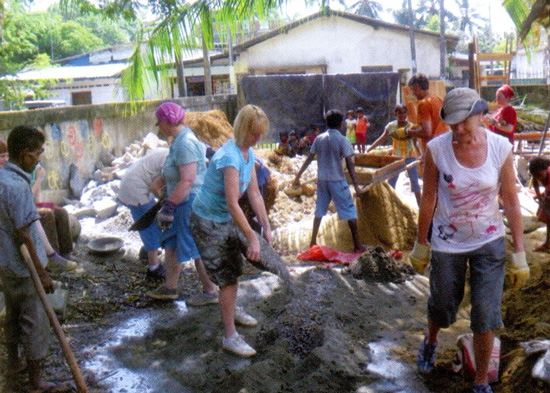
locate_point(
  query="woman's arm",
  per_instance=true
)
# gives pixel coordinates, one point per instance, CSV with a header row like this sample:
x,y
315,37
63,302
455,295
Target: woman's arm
x,y
231,184
188,173
505,128
429,196
510,201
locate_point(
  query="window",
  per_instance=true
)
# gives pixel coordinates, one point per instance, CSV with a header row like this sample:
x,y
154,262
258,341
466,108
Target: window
x,y
81,97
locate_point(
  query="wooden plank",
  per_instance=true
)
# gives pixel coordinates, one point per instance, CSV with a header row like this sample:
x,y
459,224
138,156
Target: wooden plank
x,y
492,77
388,174
494,56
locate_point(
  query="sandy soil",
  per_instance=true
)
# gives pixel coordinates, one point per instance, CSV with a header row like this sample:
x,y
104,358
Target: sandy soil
x,y
340,329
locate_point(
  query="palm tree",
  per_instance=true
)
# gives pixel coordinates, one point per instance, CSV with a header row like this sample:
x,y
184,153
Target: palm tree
x,y
528,14
179,27
368,8
470,20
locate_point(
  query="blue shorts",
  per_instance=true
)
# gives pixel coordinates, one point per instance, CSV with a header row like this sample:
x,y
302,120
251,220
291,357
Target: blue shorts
x,y
150,236
447,280
337,191
413,176
178,237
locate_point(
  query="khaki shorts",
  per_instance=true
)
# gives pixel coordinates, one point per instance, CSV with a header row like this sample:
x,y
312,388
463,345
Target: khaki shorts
x,y
223,246
26,320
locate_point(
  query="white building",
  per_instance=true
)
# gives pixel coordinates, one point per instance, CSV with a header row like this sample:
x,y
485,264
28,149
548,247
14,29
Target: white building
x,y
336,42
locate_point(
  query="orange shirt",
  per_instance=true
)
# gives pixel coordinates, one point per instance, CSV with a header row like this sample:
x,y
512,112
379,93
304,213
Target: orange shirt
x,y
361,125
428,109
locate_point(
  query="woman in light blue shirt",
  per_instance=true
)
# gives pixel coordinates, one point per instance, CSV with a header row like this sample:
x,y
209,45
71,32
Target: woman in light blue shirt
x,y
220,228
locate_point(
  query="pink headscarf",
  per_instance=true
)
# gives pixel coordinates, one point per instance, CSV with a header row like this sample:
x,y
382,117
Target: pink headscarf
x,y
506,90
170,112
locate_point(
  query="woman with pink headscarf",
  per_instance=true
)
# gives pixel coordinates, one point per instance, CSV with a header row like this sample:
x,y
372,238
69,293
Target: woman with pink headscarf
x,y
183,171
504,120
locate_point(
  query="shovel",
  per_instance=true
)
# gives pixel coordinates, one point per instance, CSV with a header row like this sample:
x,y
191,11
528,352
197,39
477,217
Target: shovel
x,y
147,219
69,356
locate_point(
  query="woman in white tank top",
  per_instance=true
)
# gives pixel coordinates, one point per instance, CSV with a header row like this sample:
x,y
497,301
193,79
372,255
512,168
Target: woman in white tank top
x,y
466,170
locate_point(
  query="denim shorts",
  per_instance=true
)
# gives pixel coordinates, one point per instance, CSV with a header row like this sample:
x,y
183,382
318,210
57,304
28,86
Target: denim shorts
x,y
150,236
337,191
447,280
223,247
178,237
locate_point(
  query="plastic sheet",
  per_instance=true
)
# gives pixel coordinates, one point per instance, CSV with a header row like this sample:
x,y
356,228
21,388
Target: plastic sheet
x,y
326,254
295,102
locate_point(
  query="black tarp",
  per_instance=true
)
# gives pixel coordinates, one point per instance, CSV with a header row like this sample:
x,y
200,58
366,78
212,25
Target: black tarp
x,y
295,102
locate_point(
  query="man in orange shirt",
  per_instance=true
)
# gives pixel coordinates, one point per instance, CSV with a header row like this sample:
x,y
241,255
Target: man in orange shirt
x,y
429,106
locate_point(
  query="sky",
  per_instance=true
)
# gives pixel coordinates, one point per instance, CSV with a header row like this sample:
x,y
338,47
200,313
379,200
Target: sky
x,y
500,20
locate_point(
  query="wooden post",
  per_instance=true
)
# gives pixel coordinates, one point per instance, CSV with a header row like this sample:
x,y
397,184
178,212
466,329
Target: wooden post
x,y
75,370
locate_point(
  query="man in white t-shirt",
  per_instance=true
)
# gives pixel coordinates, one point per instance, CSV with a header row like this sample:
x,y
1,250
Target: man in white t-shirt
x,y
139,186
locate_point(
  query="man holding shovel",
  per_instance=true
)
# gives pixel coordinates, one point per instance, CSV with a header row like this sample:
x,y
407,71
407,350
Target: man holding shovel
x,y
26,320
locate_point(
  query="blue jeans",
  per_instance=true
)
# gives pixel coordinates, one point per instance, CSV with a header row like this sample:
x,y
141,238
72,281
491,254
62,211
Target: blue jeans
x,y
413,176
447,280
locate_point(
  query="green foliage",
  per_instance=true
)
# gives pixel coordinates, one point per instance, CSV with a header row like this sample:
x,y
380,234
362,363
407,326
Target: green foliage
x,y
14,92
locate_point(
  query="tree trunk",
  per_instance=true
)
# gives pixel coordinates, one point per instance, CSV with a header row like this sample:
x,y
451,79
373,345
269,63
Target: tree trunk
x,y
411,34
442,46
207,70
180,75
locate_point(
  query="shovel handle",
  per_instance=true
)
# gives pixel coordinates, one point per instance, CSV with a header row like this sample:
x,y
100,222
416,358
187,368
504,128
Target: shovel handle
x,y
75,370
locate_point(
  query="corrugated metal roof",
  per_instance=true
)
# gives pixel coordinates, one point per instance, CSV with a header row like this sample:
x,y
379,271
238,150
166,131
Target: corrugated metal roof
x,y
74,72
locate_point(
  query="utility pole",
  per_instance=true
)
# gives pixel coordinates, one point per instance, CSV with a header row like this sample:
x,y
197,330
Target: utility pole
x,y
442,44
411,35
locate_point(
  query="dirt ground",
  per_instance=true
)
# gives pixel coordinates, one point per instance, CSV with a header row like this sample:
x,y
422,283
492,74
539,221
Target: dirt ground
x,y
338,329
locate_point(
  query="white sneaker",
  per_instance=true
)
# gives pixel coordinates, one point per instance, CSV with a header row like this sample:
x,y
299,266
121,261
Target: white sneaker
x,y
237,346
242,318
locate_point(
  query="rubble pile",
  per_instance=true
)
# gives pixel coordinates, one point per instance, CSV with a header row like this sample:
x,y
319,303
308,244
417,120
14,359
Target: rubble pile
x,y
283,169
376,265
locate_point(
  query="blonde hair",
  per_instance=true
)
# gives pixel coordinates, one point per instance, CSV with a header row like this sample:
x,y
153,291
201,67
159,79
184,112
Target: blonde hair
x,y
249,116
3,146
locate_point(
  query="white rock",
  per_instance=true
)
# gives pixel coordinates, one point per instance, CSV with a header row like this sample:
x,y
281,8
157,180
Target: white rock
x,y
151,141
105,207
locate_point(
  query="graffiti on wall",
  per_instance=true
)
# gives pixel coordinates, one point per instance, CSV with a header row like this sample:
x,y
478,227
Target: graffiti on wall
x,y
72,143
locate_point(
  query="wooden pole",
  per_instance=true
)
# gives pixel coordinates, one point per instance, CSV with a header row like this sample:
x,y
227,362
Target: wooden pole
x,y
75,370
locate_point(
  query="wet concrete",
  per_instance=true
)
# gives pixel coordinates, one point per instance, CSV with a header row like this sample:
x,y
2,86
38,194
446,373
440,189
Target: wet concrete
x,y
177,349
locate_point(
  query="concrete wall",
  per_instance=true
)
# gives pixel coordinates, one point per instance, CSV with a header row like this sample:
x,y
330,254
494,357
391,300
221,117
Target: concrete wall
x,y
343,46
80,135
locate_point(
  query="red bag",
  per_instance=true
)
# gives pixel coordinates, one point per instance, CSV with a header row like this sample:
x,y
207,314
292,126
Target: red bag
x,y
326,254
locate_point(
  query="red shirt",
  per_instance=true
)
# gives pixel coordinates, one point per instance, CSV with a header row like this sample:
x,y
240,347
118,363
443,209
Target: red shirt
x,y
506,114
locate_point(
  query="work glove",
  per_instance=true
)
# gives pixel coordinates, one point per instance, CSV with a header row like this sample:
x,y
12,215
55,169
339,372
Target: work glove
x,y
165,216
420,257
519,270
